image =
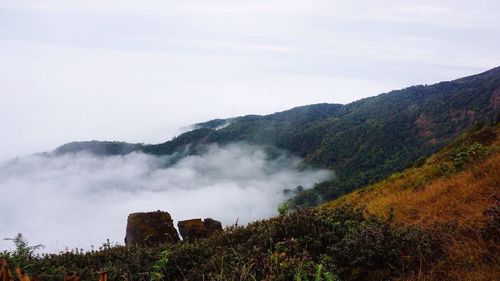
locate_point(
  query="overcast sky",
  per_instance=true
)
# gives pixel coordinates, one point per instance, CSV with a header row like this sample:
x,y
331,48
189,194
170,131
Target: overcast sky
x,y
138,71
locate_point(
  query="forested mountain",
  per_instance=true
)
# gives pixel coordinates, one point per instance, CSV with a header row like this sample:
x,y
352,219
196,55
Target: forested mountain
x,y
98,147
363,141
436,221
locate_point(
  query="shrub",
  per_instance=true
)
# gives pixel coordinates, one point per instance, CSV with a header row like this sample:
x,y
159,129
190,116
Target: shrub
x,y
283,208
336,244
341,244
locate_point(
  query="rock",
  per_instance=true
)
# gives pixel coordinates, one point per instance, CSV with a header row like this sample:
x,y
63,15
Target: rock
x,y
197,229
192,229
212,225
150,229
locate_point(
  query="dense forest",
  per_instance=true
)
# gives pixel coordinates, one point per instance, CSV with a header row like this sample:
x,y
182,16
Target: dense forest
x,y
437,220
362,142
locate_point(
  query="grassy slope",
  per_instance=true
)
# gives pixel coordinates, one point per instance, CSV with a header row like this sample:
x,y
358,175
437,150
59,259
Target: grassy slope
x,y
452,206
438,231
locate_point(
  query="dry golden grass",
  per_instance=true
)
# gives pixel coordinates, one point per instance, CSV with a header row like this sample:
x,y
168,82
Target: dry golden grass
x,y
460,198
451,207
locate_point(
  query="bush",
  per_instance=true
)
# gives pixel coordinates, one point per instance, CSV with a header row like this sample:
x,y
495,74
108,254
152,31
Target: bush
x,y
462,157
121,263
468,154
339,244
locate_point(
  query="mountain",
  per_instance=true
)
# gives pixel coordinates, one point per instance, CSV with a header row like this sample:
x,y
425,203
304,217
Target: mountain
x,y
362,142
454,195
437,220
98,147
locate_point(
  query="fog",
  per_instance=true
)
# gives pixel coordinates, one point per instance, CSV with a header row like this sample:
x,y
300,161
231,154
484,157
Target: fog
x,y
135,71
78,200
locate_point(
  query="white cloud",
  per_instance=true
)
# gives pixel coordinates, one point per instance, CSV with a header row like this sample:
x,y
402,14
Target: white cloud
x,y
81,200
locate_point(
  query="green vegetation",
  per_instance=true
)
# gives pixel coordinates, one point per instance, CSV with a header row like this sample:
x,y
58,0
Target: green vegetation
x,y
306,245
283,208
415,217
120,262
453,195
23,255
364,141
415,225
98,147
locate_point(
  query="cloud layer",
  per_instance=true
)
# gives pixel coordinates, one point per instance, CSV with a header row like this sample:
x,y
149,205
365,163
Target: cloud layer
x,y
79,200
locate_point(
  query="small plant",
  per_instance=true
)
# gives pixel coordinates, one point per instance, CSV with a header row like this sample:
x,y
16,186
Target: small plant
x,y
469,154
461,158
24,254
330,276
317,276
283,208
443,169
328,245
159,266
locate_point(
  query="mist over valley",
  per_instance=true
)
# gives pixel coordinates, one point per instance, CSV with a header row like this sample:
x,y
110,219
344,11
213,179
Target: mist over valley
x,y
75,200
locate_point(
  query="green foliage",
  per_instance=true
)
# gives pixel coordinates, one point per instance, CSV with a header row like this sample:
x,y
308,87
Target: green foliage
x,y
304,245
469,154
98,147
121,263
364,141
339,244
321,275
180,144
367,140
283,208
463,156
24,255
159,266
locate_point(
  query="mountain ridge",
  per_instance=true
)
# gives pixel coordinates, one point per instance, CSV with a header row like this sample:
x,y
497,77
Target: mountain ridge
x,y
362,141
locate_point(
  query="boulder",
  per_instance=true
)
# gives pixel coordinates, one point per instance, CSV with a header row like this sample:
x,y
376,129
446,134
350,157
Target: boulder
x,y
192,229
212,225
197,229
150,229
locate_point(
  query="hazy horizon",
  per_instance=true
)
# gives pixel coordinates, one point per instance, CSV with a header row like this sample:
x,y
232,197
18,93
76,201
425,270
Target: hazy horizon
x,y
138,71
144,71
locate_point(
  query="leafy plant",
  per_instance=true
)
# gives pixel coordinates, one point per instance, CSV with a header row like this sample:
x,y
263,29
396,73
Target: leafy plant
x,y
304,245
283,208
159,266
24,255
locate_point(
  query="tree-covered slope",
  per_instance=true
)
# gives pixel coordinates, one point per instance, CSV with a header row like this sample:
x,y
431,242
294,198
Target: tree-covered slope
x,y
98,147
455,195
438,220
363,141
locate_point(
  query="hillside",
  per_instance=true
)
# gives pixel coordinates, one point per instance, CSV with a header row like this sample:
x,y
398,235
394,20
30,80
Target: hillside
x,y
438,220
363,141
456,195
98,147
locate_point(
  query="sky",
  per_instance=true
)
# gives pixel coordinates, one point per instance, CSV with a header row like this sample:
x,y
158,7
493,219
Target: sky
x,y
143,71
140,71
